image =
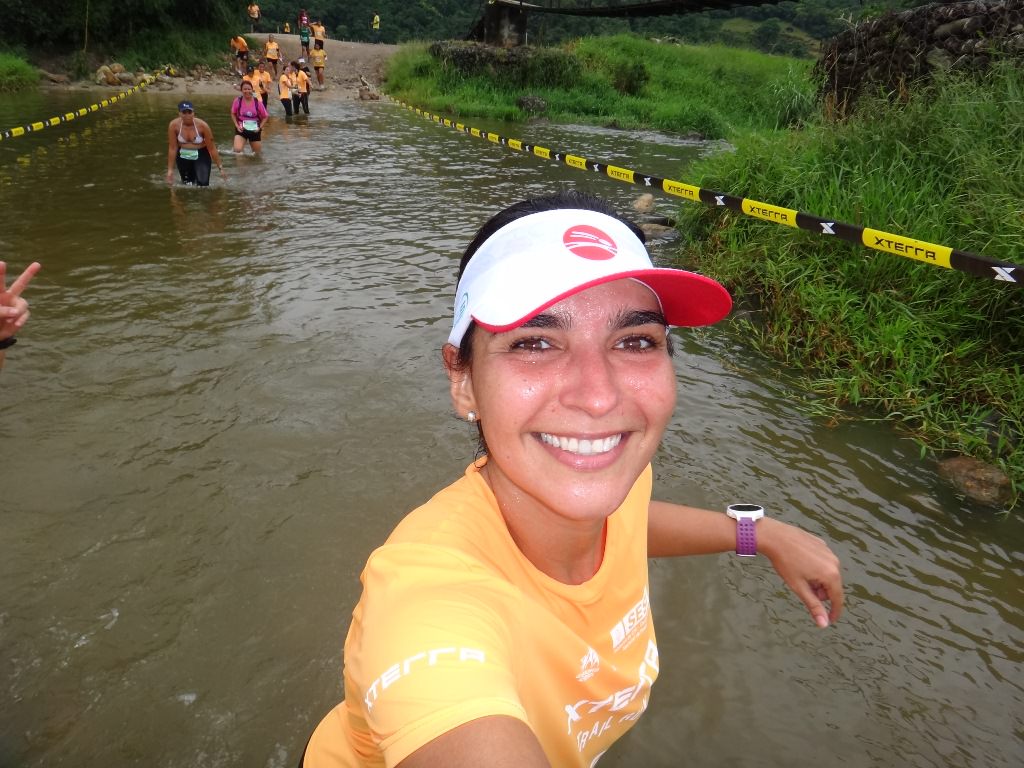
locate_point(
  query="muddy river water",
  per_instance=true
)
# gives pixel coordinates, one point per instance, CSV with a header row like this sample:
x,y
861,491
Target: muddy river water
x,y
227,397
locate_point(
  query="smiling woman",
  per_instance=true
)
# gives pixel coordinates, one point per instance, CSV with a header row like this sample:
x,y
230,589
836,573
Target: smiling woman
x,y
507,621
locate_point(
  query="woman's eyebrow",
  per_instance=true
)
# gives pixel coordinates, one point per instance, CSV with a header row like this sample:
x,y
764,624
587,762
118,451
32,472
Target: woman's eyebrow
x,y
627,318
631,318
547,320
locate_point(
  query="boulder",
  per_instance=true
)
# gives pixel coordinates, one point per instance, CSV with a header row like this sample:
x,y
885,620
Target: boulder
x,y
644,203
116,68
977,480
105,77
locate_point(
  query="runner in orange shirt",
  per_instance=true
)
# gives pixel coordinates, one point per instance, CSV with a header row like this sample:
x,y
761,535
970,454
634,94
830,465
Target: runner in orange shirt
x,y
241,49
300,95
286,86
272,52
507,621
318,58
264,82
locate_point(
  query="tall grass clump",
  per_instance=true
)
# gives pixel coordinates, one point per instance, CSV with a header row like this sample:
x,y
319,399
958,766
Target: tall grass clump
x,y
622,80
936,350
16,74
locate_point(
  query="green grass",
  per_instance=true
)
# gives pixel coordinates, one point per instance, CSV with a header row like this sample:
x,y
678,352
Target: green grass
x,y
623,81
16,74
935,350
153,49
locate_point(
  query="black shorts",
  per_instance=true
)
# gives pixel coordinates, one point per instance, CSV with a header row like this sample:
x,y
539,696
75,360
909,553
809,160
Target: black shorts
x,y
242,55
249,135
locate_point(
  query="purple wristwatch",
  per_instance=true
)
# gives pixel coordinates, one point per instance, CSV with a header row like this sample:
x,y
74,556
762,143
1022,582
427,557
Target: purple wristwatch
x,y
745,516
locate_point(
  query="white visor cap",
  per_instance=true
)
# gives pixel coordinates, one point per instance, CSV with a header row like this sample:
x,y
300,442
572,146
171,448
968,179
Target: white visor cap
x,y
540,259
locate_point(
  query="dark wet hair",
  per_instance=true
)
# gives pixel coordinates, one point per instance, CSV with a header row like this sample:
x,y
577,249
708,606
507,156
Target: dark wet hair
x,y
568,200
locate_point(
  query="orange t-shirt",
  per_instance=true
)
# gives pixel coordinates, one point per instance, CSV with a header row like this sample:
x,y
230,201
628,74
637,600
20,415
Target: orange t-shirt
x,y
303,81
273,51
263,80
455,624
239,44
285,83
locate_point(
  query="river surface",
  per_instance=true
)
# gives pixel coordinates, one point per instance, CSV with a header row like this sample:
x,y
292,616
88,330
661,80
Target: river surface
x,y
227,397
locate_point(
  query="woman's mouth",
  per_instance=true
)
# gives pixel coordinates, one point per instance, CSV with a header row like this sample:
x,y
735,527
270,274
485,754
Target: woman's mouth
x,y
582,446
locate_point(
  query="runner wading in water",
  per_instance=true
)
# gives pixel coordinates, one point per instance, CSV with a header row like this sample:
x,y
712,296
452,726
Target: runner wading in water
x,y
507,622
248,114
190,147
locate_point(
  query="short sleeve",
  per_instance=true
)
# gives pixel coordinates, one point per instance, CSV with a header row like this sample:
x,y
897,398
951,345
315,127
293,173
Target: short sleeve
x,y
430,647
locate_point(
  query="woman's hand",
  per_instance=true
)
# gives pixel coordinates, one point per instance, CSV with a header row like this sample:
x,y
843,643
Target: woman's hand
x,y
170,176
807,565
13,308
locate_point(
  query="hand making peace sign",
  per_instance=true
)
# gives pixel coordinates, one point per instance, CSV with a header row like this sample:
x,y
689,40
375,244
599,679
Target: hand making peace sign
x,y
13,308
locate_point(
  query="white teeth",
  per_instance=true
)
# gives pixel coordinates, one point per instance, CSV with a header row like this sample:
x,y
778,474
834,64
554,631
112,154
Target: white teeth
x,y
582,447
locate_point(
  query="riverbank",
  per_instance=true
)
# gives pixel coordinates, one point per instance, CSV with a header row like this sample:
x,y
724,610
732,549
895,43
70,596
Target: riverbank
x,y
349,66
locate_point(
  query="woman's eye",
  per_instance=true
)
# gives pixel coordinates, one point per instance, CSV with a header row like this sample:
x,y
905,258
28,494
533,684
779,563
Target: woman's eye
x,y
636,343
532,344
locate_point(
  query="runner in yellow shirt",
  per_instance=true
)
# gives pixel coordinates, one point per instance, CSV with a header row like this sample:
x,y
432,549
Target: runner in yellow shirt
x,y
300,96
241,49
318,58
319,31
272,52
286,85
264,81
254,16
507,621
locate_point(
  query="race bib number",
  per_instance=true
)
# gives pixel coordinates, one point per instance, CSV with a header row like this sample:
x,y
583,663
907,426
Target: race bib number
x,y
188,154
250,125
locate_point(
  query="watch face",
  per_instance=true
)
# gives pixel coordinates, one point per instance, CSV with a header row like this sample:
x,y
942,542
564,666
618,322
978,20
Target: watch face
x,y
737,511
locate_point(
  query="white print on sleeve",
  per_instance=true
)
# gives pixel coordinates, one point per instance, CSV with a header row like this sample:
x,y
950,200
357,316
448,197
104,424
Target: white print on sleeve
x,y
403,669
589,719
632,624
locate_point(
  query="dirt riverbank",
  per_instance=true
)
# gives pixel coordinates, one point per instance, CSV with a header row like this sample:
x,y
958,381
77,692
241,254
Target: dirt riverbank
x,y
347,62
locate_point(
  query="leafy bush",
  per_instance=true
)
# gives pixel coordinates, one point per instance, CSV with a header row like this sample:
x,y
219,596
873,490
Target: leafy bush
x,y
15,73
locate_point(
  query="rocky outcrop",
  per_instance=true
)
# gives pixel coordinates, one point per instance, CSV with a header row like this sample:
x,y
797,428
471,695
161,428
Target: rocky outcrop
x,y
894,51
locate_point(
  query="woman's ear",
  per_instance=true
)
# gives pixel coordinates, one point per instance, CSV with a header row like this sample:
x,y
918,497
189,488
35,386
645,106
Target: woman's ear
x,y
460,381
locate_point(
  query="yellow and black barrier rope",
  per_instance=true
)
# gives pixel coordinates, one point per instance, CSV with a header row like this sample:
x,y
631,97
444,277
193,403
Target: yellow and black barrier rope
x,y
69,116
939,255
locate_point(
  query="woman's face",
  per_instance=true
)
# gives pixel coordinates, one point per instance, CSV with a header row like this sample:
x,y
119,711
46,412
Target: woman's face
x,y
247,90
188,117
573,405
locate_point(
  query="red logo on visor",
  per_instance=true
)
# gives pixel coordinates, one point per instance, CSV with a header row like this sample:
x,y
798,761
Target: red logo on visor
x,y
589,242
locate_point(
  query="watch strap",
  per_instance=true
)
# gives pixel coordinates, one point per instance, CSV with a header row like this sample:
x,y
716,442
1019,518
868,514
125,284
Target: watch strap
x,y
746,537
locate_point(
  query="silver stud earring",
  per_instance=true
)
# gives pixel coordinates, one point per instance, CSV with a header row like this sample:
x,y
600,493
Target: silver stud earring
x,y
471,417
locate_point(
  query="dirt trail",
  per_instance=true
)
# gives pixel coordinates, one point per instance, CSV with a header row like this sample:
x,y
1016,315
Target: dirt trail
x,y
346,63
